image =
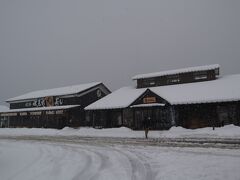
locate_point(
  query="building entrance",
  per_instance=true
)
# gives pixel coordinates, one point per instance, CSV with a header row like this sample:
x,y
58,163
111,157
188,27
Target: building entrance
x,y
159,118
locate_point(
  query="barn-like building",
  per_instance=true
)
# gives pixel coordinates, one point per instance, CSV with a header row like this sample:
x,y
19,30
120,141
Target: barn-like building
x,y
53,108
192,97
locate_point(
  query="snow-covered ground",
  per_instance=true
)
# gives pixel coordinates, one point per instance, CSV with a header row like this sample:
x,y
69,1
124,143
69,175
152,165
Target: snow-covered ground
x,y
27,160
229,131
40,154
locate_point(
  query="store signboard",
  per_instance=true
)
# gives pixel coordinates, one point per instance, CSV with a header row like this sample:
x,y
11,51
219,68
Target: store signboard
x,y
148,100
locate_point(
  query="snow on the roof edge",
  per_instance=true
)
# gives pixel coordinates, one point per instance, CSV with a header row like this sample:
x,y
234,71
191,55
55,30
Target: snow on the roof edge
x,y
223,89
118,99
67,90
176,71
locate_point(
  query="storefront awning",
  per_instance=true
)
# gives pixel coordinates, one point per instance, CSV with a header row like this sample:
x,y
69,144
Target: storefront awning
x,y
147,105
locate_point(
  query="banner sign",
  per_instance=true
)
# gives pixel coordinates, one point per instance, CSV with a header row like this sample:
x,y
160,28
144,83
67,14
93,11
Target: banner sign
x,y
44,102
148,100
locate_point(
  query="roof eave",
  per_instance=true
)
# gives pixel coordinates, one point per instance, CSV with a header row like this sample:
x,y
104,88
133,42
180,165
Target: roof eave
x,y
70,94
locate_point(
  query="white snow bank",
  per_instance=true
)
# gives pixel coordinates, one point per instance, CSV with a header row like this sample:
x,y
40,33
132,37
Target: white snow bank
x,y
226,131
229,131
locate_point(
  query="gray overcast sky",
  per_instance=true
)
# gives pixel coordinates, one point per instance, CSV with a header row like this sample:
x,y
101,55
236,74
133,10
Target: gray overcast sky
x,y
53,43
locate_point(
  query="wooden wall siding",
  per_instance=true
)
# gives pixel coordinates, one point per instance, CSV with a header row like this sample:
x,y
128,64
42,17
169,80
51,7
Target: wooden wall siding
x,y
172,79
208,115
132,118
99,119
42,121
128,117
160,118
228,113
106,118
196,116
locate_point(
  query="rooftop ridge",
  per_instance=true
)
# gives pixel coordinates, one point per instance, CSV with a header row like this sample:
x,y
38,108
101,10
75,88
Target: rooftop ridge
x,y
65,90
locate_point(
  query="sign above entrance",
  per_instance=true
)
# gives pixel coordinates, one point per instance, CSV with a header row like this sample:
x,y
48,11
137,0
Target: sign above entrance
x,y
49,101
43,102
148,100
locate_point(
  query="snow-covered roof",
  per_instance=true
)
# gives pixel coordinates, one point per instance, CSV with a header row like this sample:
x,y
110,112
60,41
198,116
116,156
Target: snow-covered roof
x,y
223,89
68,90
40,109
121,98
3,108
177,71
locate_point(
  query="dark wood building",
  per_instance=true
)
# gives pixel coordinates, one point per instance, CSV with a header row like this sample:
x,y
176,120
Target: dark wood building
x,y
179,76
53,108
192,98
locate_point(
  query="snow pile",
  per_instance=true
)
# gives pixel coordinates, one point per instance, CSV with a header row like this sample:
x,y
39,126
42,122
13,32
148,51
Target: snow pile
x,y
28,131
229,131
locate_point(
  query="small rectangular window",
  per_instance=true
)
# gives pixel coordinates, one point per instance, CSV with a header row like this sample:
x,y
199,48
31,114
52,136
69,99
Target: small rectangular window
x,y
200,77
173,79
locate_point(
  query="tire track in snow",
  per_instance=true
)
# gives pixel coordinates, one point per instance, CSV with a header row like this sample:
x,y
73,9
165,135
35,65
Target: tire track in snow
x,y
140,170
77,160
95,161
27,166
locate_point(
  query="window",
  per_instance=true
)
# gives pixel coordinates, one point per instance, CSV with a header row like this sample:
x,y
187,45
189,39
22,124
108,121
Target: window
x,y
173,79
200,75
152,83
149,82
